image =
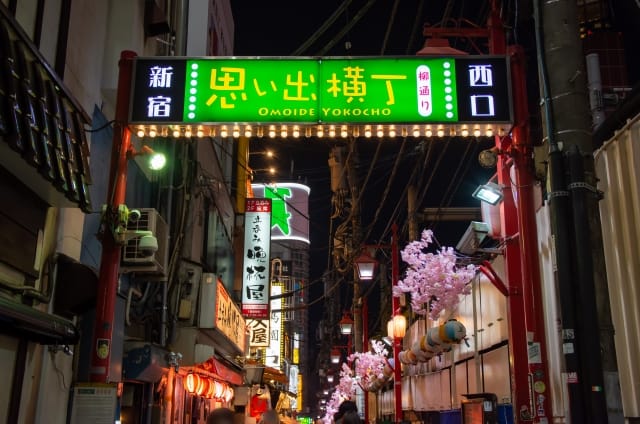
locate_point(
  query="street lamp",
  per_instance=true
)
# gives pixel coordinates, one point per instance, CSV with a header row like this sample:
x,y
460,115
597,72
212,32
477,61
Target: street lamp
x,y
335,356
346,325
366,266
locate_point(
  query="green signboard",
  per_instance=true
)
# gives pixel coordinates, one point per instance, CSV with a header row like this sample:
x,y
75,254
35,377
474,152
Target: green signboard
x,y
321,90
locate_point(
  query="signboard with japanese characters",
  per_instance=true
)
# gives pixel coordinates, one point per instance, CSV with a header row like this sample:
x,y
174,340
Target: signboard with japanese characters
x,y
403,90
258,332
289,210
274,350
229,320
255,267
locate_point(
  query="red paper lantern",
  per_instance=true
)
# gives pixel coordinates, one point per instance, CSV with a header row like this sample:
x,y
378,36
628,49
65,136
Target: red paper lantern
x,y
203,385
219,390
211,390
191,382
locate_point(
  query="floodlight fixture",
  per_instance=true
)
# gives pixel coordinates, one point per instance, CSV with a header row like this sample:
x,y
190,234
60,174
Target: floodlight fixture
x,y
490,193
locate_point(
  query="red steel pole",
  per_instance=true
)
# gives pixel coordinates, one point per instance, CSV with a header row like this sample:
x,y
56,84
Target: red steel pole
x,y
397,341
110,260
521,255
365,348
522,153
518,352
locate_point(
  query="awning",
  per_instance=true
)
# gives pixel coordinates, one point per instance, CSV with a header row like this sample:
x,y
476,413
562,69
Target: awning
x,y
275,375
225,373
24,321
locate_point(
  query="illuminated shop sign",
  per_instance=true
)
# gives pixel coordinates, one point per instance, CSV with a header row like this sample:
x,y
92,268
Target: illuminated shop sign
x,y
275,348
255,267
289,210
311,91
258,332
229,320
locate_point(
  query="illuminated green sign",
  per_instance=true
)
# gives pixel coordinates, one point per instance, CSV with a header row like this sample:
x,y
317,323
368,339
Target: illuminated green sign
x,y
321,90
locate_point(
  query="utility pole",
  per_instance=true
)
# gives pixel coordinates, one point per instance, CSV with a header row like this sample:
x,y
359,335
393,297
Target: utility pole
x,y
587,333
411,212
355,242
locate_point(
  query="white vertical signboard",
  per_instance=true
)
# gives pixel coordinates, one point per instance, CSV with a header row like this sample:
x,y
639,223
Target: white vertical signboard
x,y
273,358
255,266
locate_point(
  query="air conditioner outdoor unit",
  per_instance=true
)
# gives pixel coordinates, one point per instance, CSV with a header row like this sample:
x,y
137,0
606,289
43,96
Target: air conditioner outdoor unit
x,y
135,259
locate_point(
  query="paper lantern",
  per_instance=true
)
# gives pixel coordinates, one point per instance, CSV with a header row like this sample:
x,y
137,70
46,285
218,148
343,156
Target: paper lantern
x,y
191,382
211,390
228,394
203,386
219,390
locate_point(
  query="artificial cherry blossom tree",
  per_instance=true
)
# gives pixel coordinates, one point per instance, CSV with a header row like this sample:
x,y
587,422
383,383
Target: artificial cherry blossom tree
x,y
433,280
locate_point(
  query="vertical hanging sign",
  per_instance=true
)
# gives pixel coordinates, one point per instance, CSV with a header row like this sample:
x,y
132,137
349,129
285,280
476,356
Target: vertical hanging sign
x,y
274,350
255,267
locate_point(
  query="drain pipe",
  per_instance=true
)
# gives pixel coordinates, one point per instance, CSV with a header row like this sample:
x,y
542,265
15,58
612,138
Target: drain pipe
x,y
591,359
163,316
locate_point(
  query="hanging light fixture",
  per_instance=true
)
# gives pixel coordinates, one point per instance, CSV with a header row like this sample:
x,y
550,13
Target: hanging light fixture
x,y
191,382
203,386
211,390
218,392
228,394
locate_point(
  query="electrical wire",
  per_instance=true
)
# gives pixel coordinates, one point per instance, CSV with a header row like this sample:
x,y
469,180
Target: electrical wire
x,y
387,33
387,188
100,128
334,16
346,29
414,28
313,302
454,182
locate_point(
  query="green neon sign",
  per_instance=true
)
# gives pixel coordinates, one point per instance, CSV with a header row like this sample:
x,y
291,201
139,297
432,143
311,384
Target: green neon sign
x,y
280,216
329,91
321,90
261,90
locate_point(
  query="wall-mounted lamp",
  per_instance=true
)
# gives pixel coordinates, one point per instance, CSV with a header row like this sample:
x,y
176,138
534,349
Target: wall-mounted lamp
x,y
490,193
330,378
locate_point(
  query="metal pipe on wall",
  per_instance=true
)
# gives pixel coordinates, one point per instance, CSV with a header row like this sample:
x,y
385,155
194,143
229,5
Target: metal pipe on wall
x,y
566,112
590,358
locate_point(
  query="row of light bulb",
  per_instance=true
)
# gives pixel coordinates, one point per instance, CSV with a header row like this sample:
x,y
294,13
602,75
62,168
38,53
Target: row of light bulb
x,y
332,131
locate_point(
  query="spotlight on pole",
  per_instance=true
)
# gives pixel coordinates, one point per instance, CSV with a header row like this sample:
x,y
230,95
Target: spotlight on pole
x,y
490,193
